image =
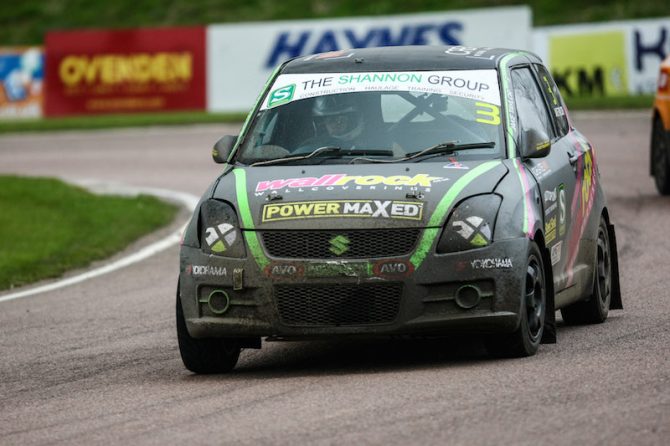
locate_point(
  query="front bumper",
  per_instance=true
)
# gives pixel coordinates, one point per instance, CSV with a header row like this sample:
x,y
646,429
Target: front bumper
x,y
224,297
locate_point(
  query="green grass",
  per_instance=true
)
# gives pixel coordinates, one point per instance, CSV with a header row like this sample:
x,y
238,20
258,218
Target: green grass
x,y
27,21
48,227
115,121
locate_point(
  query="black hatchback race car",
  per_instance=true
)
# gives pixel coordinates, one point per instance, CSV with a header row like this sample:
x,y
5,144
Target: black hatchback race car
x,y
398,191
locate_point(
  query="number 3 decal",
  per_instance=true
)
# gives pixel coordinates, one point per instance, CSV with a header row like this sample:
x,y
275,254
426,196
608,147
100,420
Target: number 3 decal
x,y
490,114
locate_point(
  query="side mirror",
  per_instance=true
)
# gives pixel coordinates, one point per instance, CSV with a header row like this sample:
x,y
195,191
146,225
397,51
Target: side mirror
x,y
536,144
222,148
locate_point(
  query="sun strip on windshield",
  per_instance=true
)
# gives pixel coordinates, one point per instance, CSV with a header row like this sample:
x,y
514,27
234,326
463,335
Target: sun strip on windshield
x,y
478,85
249,231
436,221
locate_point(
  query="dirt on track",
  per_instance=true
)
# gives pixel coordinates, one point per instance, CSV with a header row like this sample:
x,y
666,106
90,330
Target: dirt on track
x,y
97,362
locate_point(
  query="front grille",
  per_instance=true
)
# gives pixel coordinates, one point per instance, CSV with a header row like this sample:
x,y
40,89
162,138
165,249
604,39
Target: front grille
x,y
335,305
360,243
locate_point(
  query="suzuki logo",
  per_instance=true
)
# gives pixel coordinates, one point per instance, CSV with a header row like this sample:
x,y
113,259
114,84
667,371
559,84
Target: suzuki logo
x,y
339,245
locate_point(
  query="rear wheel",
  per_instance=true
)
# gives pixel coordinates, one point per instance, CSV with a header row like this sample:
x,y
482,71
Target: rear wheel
x,y
660,157
207,355
526,339
596,308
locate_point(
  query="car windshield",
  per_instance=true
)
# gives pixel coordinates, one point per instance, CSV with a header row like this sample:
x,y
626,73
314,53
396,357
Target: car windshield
x,y
376,117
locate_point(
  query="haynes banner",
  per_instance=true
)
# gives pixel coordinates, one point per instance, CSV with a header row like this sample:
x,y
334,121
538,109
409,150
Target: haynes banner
x,y
240,57
605,59
481,85
125,71
21,82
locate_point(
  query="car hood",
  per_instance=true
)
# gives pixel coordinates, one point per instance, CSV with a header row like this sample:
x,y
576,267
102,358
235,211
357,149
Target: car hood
x,y
361,196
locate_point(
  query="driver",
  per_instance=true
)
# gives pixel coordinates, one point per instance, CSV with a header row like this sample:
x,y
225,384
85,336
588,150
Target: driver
x,y
340,116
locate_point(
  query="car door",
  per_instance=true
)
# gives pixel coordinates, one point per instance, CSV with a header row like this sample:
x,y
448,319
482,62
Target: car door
x,y
553,173
578,247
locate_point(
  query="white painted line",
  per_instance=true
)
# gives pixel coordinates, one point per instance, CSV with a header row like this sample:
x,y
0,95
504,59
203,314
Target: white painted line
x,y
188,200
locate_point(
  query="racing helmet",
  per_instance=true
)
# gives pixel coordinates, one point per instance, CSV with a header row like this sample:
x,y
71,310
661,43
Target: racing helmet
x,y
340,116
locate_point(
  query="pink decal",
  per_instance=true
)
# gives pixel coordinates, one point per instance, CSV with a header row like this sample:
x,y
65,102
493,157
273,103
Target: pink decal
x,y
530,214
582,202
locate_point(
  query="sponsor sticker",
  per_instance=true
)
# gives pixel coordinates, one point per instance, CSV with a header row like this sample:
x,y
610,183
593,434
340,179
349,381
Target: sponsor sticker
x,y
405,210
281,95
219,238
284,270
479,85
474,229
550,230
336,269
344,182
492,263
556,253
550,195
561,210
392,268
206,270
453,164
540,169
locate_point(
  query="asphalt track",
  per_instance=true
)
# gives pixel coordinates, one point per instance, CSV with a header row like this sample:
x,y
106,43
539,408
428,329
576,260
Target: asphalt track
x,y
97,362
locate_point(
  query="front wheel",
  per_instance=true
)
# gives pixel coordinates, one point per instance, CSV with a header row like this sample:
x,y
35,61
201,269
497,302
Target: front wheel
x,y
596,308
207,355
660,157
526,339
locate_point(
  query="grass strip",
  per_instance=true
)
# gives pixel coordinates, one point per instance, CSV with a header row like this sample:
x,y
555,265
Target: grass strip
x,y
48,227
118,121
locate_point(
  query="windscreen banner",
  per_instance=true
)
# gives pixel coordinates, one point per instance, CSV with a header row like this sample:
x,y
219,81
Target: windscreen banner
x,y
480,85
240,57
21,82
124,71
605,59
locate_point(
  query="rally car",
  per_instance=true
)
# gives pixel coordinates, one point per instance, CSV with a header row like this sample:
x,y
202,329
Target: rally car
x,y
412,191
660,133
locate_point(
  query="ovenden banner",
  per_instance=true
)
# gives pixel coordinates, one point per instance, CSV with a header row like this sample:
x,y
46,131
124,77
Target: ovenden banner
x,y
105,71
605,59
240,57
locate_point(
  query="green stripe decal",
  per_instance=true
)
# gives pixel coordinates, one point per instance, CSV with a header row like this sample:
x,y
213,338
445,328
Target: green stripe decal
x,y
525,197
253,111
245,213
437,220
510,110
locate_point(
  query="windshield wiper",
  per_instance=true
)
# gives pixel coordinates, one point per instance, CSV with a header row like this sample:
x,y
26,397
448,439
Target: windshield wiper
x,y
442,148
326,150
447,148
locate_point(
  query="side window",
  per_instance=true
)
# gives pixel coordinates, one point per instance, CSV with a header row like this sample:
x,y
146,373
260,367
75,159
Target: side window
x,y
553,97
529,102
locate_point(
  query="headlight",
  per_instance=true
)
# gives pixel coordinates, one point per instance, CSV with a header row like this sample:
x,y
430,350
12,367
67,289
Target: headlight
x,y
470,225
219,231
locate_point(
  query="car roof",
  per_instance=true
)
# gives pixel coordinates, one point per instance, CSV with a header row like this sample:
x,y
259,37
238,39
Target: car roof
x,y
402,58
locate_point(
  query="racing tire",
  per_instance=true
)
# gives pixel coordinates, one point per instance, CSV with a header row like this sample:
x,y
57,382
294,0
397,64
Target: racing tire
x,y
660,157
207,355
596,308
525,340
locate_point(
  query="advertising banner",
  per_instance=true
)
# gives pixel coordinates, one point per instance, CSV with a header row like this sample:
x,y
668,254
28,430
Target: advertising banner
x,y
90,72
606,59
21,81
240,57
